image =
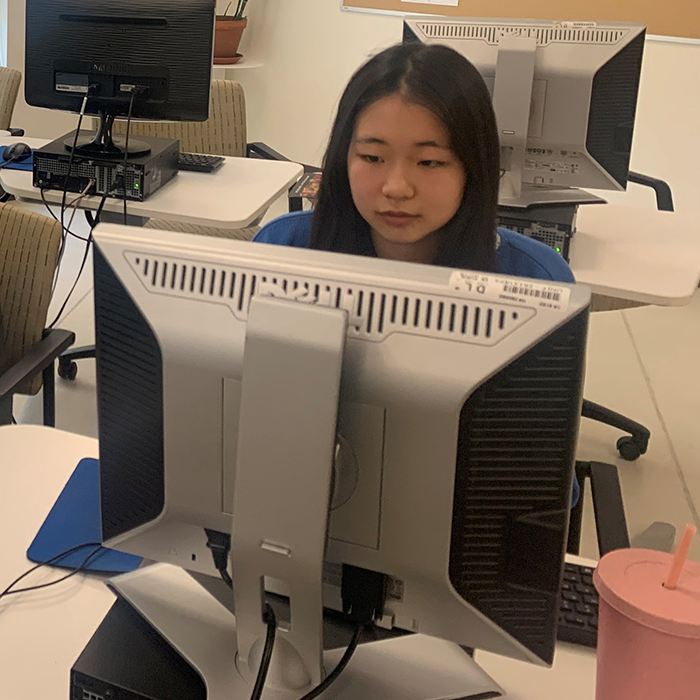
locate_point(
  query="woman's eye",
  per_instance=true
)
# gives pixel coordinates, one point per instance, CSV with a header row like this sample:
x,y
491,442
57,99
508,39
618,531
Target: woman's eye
x,y
431,163
369,158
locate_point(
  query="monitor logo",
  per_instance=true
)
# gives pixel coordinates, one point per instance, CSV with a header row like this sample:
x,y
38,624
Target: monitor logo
x,y
110,68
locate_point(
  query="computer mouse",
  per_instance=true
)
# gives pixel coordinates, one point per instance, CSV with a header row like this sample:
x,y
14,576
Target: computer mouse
x,y
17,152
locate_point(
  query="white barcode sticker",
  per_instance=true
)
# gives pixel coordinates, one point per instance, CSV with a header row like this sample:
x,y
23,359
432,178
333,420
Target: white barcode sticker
x,y
517,291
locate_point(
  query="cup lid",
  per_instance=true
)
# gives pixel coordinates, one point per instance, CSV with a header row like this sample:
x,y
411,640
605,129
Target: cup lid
x,y
631,581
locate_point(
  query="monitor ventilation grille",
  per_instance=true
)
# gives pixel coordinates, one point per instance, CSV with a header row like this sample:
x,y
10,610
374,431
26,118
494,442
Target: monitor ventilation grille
x,y
492,34
374,313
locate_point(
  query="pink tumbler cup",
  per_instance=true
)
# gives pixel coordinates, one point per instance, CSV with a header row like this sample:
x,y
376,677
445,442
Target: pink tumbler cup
x,y
648,635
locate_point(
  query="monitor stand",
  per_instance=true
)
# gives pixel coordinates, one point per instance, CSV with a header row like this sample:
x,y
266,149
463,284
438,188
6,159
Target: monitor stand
x,y
291,379
195,624
102,143
512,99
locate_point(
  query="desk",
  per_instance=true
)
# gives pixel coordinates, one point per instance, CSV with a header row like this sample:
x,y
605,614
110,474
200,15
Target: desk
x,y
234,196
42,633
637,254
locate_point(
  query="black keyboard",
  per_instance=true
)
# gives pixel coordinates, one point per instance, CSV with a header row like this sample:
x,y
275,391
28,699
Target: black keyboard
x,y
578,611
199,163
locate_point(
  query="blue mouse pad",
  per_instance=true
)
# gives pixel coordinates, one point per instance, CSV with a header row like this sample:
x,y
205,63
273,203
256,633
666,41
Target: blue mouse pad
x,y
75,520
24,165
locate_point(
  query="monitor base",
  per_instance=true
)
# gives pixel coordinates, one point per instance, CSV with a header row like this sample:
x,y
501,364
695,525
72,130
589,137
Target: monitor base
x,y
103,144
534,196
193,622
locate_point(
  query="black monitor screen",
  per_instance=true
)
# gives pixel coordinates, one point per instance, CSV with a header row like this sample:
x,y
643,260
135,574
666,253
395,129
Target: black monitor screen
x,y
163,47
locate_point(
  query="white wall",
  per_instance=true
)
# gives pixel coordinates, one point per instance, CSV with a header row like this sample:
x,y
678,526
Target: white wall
x,y
310,48
3,32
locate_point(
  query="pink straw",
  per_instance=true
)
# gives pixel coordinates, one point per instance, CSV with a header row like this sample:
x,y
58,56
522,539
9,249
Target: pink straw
x,y
680,556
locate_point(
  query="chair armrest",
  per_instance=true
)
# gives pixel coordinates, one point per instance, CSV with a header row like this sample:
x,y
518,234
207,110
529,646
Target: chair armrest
x,y
262,150
608,507
664,196
36,360
15,132
258,149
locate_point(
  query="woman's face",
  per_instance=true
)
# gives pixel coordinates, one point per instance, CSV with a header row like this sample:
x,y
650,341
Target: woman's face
x,y
406,181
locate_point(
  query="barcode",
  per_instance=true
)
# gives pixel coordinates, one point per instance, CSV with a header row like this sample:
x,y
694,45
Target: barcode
x,y
532,292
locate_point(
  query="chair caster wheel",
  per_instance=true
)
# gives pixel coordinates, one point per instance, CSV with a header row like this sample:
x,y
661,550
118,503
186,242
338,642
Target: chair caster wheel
x,y
68,371
628,448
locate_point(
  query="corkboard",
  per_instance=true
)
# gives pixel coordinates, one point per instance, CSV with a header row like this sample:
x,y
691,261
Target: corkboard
x,y
676,18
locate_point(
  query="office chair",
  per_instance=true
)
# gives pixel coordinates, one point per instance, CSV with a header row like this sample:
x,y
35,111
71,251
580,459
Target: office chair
x,y
29,246
631,446
10,80
224,133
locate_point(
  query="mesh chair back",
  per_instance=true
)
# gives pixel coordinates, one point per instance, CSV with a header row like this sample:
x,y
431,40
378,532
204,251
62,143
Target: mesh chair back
x,y
29,245
223,134
10,80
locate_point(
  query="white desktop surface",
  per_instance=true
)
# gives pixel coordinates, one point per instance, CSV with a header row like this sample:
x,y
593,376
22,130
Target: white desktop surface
x,y
232,197
42,633
638,254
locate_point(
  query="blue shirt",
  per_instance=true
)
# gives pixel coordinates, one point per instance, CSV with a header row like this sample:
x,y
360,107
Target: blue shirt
x,y
517,255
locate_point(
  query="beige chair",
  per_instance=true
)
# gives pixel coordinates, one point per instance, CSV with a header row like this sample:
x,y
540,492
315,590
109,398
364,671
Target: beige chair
x,y
10,80
29,248
223,134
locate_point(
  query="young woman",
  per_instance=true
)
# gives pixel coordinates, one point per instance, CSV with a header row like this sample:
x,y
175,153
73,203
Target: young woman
x,y
412,172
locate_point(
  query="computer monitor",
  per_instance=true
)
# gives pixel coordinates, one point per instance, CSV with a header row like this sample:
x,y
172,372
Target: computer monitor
x,y
565,97
457,418
112,46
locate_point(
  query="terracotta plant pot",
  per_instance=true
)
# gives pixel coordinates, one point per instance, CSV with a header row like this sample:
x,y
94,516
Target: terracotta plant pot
x,y
227,38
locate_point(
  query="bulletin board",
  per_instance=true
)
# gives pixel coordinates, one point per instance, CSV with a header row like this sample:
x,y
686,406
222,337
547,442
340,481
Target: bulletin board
x,y
673,18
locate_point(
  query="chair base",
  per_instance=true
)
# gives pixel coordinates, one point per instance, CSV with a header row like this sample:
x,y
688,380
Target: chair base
x,y
630,446
67,367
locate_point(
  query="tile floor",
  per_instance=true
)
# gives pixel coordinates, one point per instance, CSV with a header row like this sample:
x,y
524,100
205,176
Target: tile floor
x,y
640,362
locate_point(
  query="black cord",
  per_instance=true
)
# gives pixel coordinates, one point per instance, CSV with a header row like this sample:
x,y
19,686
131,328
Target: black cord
x,y
9,161
126,147
333,675
47,204
67,178
220,546
88,244
271,621
97,548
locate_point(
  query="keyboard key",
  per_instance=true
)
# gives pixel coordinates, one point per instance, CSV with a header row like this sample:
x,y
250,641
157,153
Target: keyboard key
x,y
584,590
591,600
585,609
570,596
576,620
566,606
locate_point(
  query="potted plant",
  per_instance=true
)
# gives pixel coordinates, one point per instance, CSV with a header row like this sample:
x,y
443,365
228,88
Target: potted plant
x,y
229,30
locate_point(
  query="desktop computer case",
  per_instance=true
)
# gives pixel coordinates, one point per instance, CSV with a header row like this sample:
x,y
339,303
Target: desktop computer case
x,y
456,456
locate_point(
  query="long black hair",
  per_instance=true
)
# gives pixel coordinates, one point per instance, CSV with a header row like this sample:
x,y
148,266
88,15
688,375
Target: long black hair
x,y
447,84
